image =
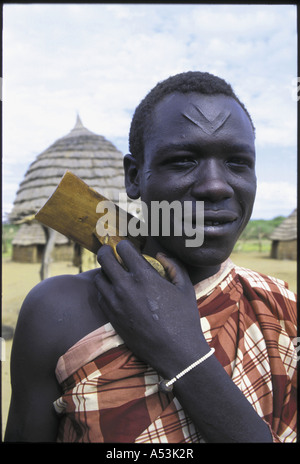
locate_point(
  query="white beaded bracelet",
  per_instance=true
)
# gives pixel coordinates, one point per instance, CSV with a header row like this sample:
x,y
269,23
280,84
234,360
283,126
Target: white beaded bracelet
x,y
167,385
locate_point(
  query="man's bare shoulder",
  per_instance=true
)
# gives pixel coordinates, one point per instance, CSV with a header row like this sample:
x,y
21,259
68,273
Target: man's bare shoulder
x,y
62,290
61,310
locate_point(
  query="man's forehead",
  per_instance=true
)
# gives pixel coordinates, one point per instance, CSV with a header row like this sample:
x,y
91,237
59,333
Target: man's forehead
x,y
197,118
208,112
209,104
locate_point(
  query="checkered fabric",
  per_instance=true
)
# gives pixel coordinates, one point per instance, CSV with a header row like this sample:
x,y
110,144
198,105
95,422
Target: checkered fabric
x,y
111,396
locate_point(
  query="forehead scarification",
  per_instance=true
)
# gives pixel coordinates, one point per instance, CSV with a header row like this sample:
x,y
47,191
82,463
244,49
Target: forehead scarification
x,y
207,124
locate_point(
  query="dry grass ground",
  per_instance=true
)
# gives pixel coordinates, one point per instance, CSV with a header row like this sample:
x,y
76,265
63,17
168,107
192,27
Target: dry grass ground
x,y
18,279
284,270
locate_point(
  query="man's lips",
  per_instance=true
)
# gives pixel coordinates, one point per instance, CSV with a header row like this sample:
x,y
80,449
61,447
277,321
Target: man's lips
x,y
219,218
217,223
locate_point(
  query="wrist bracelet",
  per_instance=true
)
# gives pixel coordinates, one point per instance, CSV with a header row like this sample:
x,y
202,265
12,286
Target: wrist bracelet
x,y
167,385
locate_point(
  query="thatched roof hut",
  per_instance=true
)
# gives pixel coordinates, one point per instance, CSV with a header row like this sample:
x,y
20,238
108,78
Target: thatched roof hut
x,y
30,241
88,155
284,238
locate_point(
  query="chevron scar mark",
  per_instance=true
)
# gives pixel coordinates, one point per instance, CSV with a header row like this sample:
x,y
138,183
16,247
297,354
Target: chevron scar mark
x,y
208,126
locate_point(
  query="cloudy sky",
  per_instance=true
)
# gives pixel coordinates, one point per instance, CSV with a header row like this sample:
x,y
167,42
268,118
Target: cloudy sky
x,y
99,60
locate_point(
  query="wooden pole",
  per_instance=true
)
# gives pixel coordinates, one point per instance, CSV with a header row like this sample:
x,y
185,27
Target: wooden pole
x,y
46,260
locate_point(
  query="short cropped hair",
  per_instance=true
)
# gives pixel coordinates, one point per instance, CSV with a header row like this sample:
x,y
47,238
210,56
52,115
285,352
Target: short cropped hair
x,y
191,81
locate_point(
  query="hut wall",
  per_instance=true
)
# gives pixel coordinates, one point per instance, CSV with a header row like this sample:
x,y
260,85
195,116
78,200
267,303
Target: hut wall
x,y
34,253
84,259
63,253
25,254
284,249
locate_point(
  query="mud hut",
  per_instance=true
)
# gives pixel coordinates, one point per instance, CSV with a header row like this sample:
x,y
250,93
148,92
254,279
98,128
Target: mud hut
x,y
284,239
30,241
88,155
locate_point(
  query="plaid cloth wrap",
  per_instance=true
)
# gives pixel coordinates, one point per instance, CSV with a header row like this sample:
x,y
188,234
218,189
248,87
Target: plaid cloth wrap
x,y
111,396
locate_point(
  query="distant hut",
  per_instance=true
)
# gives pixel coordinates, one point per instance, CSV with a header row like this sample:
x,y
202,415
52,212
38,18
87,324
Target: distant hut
x,y
88,155
284,239
30,241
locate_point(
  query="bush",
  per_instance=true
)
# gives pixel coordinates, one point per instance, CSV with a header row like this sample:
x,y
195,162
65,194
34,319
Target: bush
x,y
256,235
8,233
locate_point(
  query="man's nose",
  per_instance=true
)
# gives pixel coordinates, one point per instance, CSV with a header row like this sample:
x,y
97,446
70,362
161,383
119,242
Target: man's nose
x,y
211,182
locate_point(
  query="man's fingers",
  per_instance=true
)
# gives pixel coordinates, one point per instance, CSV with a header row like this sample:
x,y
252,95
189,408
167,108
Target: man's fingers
x,y
109,263
176,274
103,285
136,264
106,297
131,257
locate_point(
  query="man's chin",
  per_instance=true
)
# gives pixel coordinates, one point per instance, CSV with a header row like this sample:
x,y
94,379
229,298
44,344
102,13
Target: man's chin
x,y
203,256
200,260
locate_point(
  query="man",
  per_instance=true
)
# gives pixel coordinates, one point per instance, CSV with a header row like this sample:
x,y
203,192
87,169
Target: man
x,y
104,345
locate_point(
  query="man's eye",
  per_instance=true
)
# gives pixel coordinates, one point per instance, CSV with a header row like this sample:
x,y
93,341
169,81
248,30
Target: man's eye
x,y
182,162
239,163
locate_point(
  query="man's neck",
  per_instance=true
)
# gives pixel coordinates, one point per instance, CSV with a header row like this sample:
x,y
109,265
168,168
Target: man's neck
x,y
198,274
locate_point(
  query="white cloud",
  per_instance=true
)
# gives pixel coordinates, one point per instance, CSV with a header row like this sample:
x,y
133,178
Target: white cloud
x,y
274,199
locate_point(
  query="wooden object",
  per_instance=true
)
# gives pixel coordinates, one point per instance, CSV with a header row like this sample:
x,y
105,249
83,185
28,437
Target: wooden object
x,y
72,211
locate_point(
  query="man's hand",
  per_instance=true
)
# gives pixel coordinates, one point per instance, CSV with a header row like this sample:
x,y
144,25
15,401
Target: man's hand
x,y
158,319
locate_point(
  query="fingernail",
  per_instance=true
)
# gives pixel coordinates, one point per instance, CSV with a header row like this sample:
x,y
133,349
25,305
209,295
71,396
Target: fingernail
x,y
160,253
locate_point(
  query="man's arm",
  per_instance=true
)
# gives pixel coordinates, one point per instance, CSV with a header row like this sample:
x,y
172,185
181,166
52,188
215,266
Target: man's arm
x,y
56,314
159,321
218,408
34,386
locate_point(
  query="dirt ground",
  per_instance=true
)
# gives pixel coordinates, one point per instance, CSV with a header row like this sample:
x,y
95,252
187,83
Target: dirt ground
x,y
18,279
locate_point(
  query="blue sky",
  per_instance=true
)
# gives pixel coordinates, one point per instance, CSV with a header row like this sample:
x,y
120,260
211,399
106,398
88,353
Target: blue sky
x,y
99,60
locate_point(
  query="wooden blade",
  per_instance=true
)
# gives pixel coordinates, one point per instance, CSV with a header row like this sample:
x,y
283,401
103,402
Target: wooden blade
x,y
71,210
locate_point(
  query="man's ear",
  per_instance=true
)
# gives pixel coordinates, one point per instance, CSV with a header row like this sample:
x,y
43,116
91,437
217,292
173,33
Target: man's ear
x,y
132,176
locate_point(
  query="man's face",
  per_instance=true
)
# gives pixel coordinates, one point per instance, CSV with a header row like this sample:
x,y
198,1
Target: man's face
x,y
201,148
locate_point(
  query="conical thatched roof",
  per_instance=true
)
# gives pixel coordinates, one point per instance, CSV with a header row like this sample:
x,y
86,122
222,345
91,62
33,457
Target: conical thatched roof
x,y
34,234
88,155
287,230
